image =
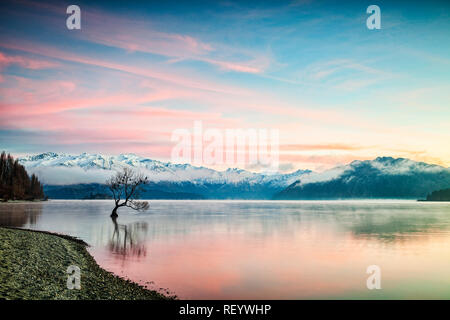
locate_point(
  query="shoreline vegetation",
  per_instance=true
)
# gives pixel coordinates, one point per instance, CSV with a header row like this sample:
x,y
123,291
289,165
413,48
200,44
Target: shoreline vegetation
x,y
22,201
15,183
438,195
34,266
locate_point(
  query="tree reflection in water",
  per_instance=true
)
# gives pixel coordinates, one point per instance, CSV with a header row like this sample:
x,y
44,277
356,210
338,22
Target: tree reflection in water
x,y
128,240
20,214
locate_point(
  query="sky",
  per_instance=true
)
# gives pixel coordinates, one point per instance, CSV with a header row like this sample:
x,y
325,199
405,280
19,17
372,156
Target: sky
x,y
137,71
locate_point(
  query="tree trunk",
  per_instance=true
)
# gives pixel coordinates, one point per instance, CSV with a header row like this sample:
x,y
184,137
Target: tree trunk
x,y
114,212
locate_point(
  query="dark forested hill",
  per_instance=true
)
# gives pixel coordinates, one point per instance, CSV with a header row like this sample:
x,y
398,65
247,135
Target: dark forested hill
x,y
379,178
439,195
83,177
15,183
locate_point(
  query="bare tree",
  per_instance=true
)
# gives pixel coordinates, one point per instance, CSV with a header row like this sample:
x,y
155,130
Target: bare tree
x,y
125,186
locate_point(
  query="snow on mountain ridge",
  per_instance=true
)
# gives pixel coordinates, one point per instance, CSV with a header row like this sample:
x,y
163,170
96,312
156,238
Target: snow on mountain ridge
x,y
389,165
63,168
60,169
382,165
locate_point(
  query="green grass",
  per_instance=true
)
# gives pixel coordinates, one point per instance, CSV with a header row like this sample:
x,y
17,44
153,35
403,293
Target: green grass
x,y
33,265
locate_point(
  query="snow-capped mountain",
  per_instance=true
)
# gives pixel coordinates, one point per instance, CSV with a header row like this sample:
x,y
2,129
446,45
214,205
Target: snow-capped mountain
x,y
81,176
384,177
56,169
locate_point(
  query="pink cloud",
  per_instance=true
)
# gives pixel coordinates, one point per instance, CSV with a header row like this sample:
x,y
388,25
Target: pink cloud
x,y
329,146
132,102
235,98
141,35
152,73
138,36
25,62
117,121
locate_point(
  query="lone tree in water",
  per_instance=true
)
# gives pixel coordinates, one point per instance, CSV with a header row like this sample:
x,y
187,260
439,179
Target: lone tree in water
x,y
125,187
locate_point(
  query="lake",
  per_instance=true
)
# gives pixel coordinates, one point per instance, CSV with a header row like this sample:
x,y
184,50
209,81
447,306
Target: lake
x,y
261,249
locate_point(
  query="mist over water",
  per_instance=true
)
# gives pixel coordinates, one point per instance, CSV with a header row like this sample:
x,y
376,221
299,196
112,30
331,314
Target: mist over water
x,y
261,249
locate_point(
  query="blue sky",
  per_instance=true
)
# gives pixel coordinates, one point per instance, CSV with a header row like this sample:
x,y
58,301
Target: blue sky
x,y
136,71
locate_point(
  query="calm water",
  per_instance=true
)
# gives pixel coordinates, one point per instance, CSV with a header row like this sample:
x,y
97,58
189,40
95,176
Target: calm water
x,y
261,249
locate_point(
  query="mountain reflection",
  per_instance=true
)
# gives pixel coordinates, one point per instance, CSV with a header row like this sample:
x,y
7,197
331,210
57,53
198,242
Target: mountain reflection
x,y
265,250
387,226
20,214
128,240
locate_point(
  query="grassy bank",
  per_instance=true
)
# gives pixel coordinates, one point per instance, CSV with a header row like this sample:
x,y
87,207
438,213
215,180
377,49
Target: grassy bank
x,y
33,265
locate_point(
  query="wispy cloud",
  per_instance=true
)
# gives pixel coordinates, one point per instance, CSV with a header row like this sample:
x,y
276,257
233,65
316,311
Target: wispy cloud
x,y
174,78
335,90
25,62
332,146
139,35
345,74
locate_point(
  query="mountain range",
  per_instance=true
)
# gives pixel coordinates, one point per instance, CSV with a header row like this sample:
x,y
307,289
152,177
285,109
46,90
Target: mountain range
x,y
82,176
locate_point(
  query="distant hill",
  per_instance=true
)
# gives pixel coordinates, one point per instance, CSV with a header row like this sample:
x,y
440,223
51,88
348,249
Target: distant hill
x,y
78,176
15,183
439,195
101,191
383,177
82,176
